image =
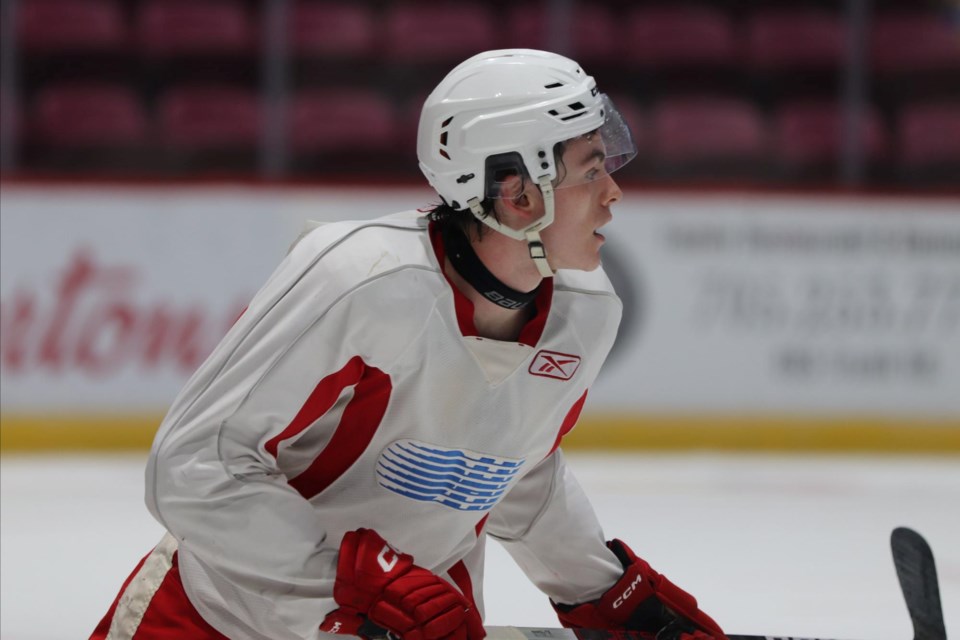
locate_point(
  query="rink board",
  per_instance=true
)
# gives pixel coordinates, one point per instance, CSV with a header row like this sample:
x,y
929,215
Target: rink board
x,y
750,321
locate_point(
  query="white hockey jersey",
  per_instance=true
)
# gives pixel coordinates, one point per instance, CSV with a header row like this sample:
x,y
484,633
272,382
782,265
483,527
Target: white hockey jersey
x,y
354,392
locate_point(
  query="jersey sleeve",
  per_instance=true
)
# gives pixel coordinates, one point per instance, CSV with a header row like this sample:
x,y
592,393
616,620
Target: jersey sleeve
x,y
550,529
259,552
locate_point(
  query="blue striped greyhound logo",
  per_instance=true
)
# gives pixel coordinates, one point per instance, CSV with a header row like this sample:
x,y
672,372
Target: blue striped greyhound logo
x,y
456,478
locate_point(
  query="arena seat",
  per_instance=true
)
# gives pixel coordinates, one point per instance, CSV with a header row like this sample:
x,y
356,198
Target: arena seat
x,y
928,136
678,36
332,29
171,28
207,118
10,115
593,33
441,33
72,115
789,39
809,134
70,26
905,43
691,130
341,120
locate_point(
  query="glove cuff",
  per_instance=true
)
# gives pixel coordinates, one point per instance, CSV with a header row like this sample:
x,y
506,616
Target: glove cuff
x,y
637,601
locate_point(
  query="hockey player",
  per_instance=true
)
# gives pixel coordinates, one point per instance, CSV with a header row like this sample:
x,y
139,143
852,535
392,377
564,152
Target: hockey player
x,y
397,392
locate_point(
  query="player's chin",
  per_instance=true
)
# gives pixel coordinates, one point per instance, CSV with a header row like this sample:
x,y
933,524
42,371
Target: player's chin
x,y
590,261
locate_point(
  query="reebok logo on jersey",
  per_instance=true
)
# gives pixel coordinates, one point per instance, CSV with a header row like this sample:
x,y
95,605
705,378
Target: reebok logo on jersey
x,y
551,364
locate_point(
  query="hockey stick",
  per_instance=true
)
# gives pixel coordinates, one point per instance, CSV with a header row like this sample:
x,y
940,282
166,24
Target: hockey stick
x,y
917,573
912,559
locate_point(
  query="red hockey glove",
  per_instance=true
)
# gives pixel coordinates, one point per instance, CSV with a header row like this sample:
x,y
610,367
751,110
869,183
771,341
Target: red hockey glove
x,y
642,600
385,586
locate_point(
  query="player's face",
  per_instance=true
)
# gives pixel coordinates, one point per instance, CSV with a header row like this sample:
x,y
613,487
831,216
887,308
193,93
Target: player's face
x,y
582,205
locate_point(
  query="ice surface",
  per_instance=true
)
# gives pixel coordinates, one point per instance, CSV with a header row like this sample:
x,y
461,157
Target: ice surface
x,y
769,545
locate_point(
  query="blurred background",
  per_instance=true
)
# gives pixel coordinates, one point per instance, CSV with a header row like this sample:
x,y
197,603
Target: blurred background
x,y
806,92
787,251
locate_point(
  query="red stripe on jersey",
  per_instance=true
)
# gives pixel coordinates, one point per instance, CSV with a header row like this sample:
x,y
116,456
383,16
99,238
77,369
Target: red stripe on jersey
x,y
530,335
360,420
461,577
570,421
479,528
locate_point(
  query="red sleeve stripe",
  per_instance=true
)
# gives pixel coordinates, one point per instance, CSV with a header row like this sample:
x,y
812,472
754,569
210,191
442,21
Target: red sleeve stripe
x,y
479,528
360,420
461,577
570,421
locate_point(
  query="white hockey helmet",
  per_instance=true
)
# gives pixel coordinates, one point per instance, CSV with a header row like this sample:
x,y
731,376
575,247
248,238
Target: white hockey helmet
x,y
506,109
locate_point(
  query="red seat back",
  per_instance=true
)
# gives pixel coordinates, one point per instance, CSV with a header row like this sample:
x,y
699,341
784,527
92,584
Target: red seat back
x,y
89,115
929,134
332,29
909,42
694,129
346,120
670,36
194,28
437,32
592,31
70,26
782,39
808,133
201,118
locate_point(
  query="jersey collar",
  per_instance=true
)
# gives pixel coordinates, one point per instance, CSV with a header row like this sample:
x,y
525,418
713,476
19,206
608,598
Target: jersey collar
x,y
531,332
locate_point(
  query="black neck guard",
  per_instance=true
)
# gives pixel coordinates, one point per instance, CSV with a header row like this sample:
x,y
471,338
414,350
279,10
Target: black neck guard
x,y
471,268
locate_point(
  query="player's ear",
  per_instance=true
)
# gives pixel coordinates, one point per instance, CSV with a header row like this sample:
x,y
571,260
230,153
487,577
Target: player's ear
x,y
520,202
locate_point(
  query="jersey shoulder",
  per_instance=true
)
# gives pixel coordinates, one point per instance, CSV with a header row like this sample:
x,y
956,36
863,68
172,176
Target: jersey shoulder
x,y
586,282
365,248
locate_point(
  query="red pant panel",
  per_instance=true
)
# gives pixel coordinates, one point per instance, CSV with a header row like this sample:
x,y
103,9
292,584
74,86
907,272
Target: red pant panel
x,y
169,616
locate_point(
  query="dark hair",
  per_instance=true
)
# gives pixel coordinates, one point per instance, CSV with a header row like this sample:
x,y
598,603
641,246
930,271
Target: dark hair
x,y
444,214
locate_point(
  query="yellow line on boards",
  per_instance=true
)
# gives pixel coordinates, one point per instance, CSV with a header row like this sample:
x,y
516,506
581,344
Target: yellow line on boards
x,y
112,432
779,433
595,431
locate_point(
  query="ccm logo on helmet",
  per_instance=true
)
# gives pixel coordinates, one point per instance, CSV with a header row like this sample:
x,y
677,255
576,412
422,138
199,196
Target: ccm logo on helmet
x,y
627,592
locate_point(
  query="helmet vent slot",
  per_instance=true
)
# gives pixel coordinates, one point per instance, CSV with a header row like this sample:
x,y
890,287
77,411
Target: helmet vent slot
x,y
573,115
555,85
576,106
443,137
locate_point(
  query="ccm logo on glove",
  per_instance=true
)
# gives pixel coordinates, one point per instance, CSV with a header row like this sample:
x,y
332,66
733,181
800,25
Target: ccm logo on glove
x,y
387,565
642,600
627,592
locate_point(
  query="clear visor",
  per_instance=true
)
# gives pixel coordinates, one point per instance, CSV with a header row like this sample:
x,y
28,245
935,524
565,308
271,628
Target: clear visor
x,y
580,160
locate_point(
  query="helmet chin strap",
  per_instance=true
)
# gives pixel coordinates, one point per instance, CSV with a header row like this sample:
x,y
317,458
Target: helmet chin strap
x,y
534,244
538,253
